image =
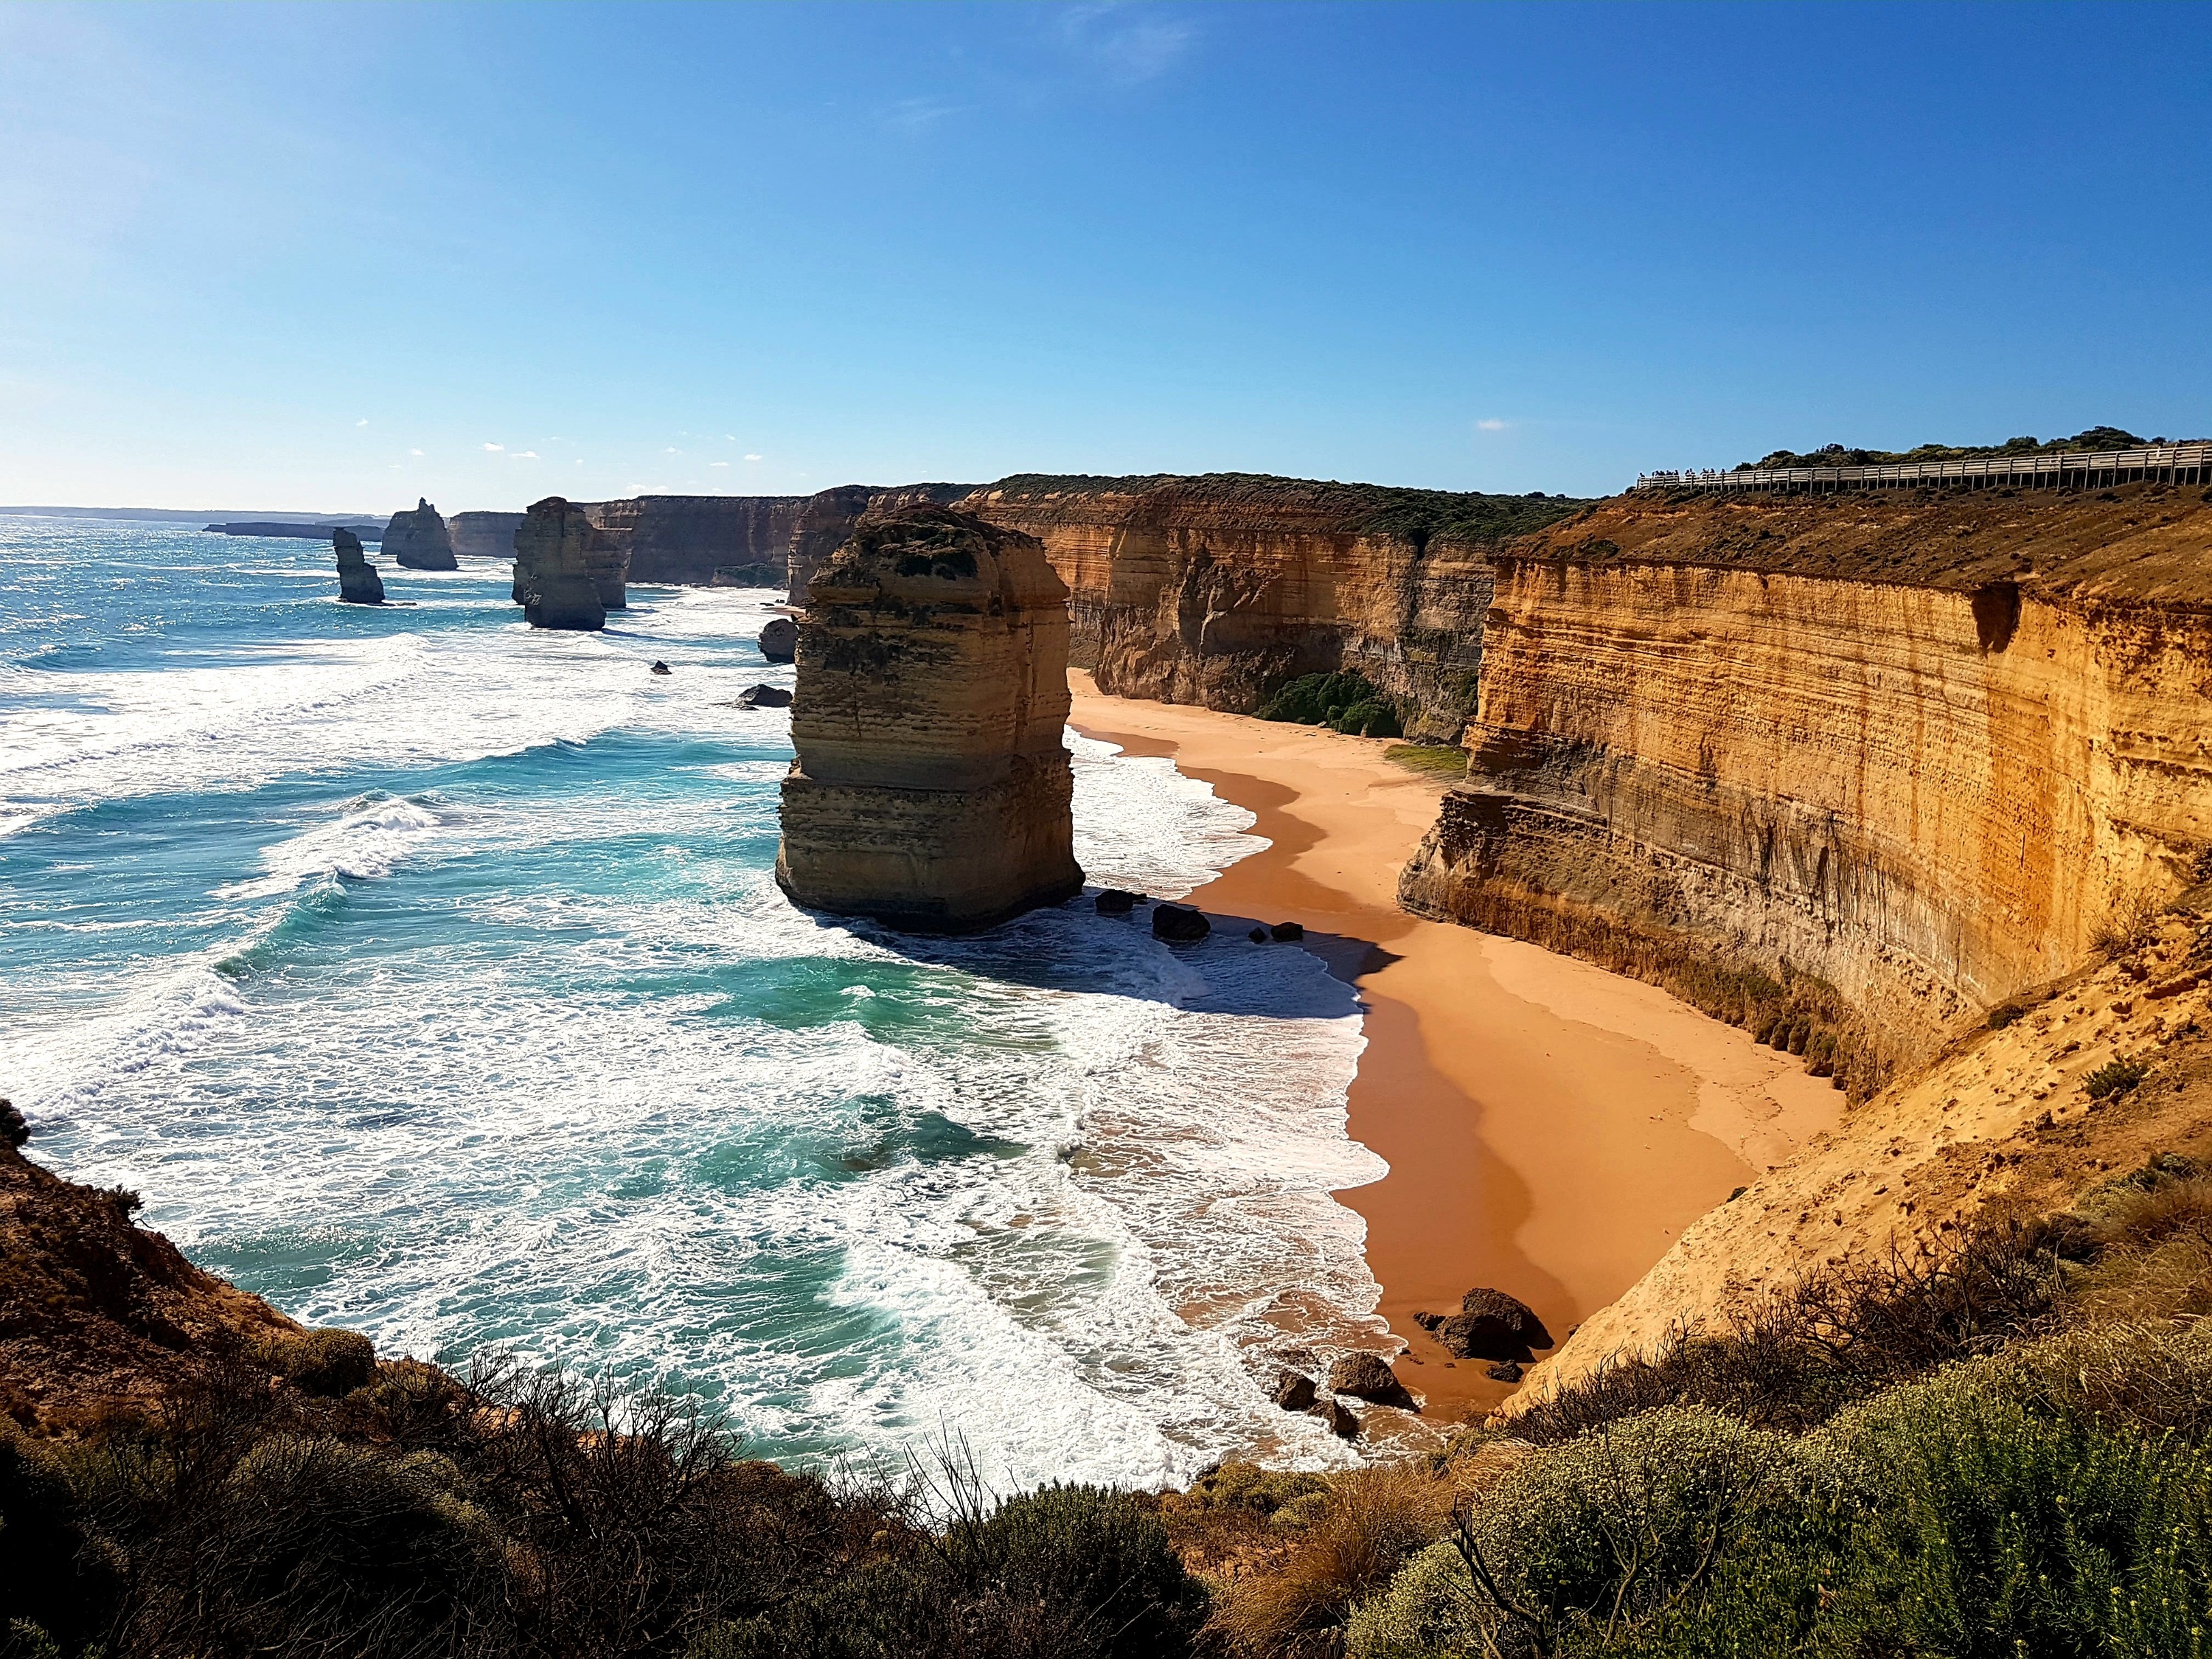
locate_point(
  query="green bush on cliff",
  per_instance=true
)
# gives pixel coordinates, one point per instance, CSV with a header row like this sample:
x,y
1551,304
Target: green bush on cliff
x,y
1346,701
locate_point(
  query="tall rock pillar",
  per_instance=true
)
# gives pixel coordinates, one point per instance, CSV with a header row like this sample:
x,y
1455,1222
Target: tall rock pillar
x,y
420,540
932,788
557,556
358,582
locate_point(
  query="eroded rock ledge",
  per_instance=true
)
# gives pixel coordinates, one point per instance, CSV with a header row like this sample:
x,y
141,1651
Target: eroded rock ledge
x,y
932,788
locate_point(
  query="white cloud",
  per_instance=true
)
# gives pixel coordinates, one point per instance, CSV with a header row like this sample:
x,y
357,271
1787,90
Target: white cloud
x,y
364,421
718,463
671,452
1491,426
494,448
731,436
523,455
1131,42
753,457
416,452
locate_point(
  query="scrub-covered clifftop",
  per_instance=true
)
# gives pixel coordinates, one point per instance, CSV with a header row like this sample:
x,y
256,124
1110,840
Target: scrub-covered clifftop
x,y
1219,589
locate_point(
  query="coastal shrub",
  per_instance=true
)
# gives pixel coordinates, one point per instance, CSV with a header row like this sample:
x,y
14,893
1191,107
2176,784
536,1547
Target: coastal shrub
x,y
1991,1529
1346,701
1591,1540
2155,1259
332,1363
2113,1079
1374,1521
1795,1356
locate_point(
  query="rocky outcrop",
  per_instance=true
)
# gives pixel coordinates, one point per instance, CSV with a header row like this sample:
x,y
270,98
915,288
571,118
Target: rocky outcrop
x,y
931,787
484,535
358,582
1368,1376
96,1314
559,568
763,696
419,539
1490,1324
1217,590
826,521
683,540
779,640
1844,769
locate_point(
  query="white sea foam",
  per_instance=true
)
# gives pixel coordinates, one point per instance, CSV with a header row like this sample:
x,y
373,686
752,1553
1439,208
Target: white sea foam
x,y
1058,1188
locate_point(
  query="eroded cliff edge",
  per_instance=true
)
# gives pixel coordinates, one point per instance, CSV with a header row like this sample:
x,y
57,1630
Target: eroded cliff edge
x,y
1217,589
1854,766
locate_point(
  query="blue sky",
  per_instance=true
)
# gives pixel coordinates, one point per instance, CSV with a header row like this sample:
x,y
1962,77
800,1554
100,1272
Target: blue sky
x,y
336,256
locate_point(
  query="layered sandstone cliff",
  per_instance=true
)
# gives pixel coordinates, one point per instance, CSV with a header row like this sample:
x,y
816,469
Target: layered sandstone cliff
x,y
683,539
419,539
1847,768
931,787
563,567
484,535
1216,590
825,522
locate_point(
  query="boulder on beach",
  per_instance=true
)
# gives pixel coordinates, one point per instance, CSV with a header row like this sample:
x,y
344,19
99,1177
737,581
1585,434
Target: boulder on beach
x,y
763,696
779,639
1258,936
358,582
1283,932
420,539
1490,1324
1179,925
1294,1391
1369,1377
1114,901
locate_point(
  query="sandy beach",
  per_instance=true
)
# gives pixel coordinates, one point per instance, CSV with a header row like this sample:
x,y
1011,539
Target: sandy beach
x,y
1550,1129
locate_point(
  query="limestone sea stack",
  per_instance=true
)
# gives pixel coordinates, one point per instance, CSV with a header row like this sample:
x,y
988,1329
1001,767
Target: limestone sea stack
x,y
932,788
779,639
358,582
420,540
555,581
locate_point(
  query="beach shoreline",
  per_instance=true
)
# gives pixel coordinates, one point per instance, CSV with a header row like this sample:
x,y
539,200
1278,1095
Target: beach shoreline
x,y
1551,1128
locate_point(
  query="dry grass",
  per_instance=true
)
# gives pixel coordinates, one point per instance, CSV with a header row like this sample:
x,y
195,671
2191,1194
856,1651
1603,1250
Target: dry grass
x,y
1373,1521
2156,1262
2128,925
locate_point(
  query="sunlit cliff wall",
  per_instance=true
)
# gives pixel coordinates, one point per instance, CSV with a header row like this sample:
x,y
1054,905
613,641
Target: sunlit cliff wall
x,y
1862,764
1215,590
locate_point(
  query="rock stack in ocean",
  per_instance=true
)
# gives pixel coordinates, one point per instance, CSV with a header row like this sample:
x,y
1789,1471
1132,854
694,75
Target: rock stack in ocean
x,y
558,561
932,788
358,582
419,539
779,639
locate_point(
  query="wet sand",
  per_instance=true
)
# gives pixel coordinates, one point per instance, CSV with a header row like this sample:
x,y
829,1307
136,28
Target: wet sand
x,y
1550,1129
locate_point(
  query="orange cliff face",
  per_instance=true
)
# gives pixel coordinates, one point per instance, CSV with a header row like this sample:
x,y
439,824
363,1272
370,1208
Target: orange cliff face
x,y
1865,763
932,788
1216,590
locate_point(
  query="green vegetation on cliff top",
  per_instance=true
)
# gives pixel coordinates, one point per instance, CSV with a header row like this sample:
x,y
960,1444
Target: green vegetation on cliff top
x,y
2096,438
1414,515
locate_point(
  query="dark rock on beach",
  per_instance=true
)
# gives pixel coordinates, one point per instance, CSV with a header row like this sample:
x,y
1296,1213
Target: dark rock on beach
x,y
1258,936
1369,1377
1283,932
763,696
660,668
1178,925
1112,902
1338,1416
1295,1393
1490,1324
358,582
1505,1371
779,640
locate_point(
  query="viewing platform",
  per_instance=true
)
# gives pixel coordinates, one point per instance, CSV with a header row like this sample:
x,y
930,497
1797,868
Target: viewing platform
x,y
2178,463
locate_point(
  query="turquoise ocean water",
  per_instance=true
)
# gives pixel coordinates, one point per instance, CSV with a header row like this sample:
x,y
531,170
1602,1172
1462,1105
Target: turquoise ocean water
x,y
427,975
